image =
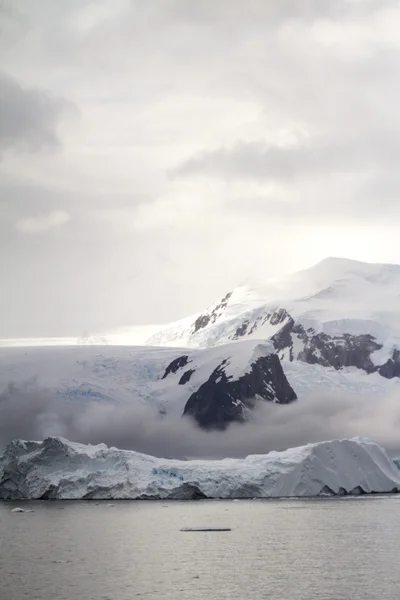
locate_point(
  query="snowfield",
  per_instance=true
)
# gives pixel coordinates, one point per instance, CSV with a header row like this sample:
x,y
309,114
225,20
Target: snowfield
x,y
59,469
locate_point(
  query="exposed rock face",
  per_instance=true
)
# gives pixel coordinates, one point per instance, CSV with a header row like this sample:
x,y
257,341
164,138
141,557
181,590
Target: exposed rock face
x,y
256,321
186,376
220,401
340,351
210,317
329,351
175,365
392,367
294,342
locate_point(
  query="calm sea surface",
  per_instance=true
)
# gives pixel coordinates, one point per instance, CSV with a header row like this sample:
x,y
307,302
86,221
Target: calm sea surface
x,y
340,549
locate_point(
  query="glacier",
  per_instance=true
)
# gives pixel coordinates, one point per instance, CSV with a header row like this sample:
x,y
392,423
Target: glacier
x,y
214,386
60,469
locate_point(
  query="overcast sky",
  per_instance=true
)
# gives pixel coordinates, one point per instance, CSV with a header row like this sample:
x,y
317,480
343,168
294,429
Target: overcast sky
x,y
154,154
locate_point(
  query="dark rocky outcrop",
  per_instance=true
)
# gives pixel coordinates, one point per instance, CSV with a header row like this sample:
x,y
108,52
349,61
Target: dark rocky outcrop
x,y
249,326
186,376
241,330
345,350
220,401
392,367
340,351
175,365
210,317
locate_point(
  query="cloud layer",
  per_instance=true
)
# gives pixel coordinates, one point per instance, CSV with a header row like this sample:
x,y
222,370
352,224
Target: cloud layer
x,y
29,413
42,223
180,136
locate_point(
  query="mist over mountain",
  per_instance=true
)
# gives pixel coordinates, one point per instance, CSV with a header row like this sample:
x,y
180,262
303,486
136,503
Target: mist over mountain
x,y
310,356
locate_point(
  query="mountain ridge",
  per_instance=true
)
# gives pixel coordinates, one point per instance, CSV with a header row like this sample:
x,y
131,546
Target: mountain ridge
x,y
339,313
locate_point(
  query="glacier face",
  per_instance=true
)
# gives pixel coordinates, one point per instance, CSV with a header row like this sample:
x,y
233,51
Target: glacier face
x,y
59,469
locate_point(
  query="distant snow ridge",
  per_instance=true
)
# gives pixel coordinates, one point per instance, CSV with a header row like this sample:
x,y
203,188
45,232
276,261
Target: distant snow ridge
x,y
339,313
59,469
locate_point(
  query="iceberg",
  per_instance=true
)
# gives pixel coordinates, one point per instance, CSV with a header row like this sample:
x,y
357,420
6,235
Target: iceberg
x,y
59,469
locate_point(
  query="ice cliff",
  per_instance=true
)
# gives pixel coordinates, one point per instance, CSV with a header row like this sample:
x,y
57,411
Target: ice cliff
x,y
59,469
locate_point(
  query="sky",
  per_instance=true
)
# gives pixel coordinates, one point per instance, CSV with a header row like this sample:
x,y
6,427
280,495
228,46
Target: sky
x,y
153,155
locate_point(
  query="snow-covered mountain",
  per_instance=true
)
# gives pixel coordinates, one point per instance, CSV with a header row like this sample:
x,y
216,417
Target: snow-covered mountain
x,y
332,329
339,313
59,469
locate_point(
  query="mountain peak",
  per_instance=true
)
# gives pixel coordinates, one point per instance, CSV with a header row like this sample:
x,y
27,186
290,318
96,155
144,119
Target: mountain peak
x,y
337,295
337,262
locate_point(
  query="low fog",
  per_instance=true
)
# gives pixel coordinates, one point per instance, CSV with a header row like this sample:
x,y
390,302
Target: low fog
x,y
29,413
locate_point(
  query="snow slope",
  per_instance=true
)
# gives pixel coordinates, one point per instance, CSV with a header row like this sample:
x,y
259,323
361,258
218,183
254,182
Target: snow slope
x,y
337,300
337,295
125,374
59,469
135,374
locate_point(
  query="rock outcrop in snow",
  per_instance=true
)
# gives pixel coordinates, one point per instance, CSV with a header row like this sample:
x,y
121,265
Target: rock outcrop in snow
x,y
59,469
222,400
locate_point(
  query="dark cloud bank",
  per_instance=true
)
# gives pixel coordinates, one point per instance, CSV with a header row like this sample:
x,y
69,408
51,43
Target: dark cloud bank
x,y
28,117
29,413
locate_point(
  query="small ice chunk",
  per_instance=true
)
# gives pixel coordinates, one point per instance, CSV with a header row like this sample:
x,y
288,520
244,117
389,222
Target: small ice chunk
x,y
206,529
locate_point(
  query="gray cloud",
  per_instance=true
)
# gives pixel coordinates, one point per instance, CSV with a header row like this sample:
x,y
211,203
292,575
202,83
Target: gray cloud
x,y
29,413
314,158
256,160
28,117
358,173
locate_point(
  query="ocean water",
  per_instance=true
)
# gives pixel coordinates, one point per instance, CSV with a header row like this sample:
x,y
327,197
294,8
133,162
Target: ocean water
x,y
333,549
